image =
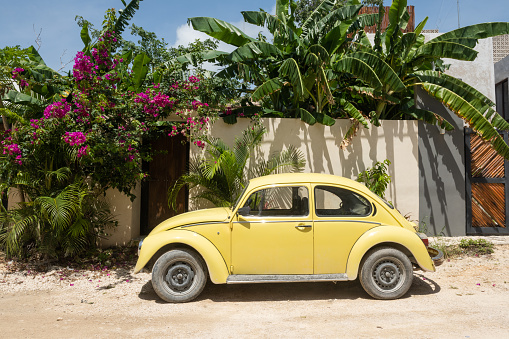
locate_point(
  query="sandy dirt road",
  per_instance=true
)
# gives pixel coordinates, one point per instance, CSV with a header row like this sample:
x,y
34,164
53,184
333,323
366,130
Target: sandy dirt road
x,y
465,298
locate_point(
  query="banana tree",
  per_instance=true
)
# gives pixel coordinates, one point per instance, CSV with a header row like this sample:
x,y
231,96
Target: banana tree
x,y
385,74
293,74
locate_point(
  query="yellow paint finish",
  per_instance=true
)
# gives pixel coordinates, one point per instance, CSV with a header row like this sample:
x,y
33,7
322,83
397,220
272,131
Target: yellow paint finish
x,y
333,242
218,234
388,234
272,247
217,268
195,217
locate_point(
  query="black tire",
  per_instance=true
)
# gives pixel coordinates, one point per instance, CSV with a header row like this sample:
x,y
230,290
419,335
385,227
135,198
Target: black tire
x,y
386,273
179,276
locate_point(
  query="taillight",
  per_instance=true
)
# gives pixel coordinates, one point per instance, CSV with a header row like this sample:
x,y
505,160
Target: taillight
x,y
424,238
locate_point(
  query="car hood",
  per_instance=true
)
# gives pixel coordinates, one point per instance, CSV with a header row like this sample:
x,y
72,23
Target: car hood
x,y
194,217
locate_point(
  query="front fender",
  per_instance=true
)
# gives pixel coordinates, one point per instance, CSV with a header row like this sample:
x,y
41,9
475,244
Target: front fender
x,y
388,234
216,265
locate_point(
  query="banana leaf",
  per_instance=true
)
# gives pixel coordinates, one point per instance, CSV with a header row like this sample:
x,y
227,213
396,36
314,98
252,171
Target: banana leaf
x,y
220,30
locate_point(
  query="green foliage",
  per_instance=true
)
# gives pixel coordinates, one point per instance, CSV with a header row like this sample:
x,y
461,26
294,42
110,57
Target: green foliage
x,y
74,137
376,178
65,223
222,175
314,71
476,246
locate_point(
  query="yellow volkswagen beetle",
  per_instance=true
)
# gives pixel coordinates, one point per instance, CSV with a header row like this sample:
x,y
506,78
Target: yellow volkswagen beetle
x,y
288,228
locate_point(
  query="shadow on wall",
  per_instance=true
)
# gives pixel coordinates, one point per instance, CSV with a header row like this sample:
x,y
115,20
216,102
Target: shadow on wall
x,y
395,140
442,172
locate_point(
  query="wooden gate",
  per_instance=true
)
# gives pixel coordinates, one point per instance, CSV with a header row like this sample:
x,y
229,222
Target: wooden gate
x,y
487,185
163,170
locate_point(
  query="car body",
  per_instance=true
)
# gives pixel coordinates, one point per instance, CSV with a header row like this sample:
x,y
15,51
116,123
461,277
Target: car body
x,y
287,228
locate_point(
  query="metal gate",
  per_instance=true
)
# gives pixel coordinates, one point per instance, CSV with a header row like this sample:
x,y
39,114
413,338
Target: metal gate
x,y
487,186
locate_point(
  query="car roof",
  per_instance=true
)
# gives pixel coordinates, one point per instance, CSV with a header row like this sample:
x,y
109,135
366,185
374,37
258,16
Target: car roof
x,y
287,178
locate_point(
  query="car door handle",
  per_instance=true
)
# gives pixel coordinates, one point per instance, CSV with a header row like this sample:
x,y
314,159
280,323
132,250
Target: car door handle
x,y
300,227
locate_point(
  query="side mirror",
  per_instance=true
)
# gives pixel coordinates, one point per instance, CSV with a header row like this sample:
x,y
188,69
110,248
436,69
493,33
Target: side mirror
x,y
244,211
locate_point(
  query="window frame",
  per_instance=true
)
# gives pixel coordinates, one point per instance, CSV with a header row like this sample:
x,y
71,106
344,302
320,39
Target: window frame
x,y
292,185
368,202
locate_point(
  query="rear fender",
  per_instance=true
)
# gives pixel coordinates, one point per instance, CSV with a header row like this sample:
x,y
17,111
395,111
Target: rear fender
x,y
217,268
388,234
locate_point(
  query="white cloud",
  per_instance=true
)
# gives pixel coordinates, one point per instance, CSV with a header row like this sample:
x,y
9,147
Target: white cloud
x,y
186,34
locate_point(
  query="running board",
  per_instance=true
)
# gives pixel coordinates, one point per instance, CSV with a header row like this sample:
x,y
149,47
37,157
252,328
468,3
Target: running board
x,y
263,278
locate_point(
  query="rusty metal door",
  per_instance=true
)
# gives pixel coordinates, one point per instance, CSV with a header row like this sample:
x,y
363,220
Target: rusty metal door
x,y
487,185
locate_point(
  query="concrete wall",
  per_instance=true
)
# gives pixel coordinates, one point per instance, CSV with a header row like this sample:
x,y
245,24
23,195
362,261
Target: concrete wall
x,y
502,70
478,73
442,172
442,190
127,213
395,140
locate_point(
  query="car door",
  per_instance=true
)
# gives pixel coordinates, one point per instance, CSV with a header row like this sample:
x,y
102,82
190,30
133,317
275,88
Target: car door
x,y
341,216
276,236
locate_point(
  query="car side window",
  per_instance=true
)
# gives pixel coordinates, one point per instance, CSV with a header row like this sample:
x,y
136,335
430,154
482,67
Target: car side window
x,y
339,202
279,201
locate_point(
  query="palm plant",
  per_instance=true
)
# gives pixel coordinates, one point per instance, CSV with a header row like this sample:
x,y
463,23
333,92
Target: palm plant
x,y
384,75
224,173
66,221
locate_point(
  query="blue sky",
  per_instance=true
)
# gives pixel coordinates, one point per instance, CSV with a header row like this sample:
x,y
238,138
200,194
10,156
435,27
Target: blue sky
x,y
21,22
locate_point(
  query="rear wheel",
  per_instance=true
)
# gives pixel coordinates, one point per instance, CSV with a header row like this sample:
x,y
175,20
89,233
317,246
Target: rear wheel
x,y
386,273
179,276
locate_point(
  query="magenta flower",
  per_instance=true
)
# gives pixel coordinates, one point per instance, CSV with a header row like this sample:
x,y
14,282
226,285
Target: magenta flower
x,y
57,109
75,138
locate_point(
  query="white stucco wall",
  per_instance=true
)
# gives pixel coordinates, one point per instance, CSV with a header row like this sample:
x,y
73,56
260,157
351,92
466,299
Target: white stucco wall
x,y
395,140
502,70
127,213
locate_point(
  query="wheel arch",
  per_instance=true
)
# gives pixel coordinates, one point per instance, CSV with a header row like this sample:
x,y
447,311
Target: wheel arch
x,y
154,246
400,239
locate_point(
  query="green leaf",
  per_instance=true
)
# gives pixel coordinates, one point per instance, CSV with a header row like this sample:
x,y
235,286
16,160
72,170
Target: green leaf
x,y
126,14
220,30
477,121
157,77
459,87
267,88
22,98
255,50
324,119
396,21
290,69
85,37
140,69
205,55
420,26
446,49
373,70
35,56
230,119
354,113
306,116
477,31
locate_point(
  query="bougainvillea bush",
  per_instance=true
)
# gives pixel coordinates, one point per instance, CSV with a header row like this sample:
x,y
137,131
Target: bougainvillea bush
x,y
94,137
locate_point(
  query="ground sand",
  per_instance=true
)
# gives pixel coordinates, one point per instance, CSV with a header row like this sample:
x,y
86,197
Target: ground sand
x,y
466,298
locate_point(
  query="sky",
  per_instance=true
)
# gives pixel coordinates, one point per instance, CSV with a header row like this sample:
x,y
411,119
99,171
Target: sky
x,y
21,23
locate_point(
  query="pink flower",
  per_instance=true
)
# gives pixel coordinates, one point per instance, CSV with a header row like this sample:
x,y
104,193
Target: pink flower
x,y
57,109
75,138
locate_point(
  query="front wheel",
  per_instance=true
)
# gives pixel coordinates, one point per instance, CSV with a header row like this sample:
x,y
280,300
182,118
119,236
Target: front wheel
x,y
179,276
386,273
